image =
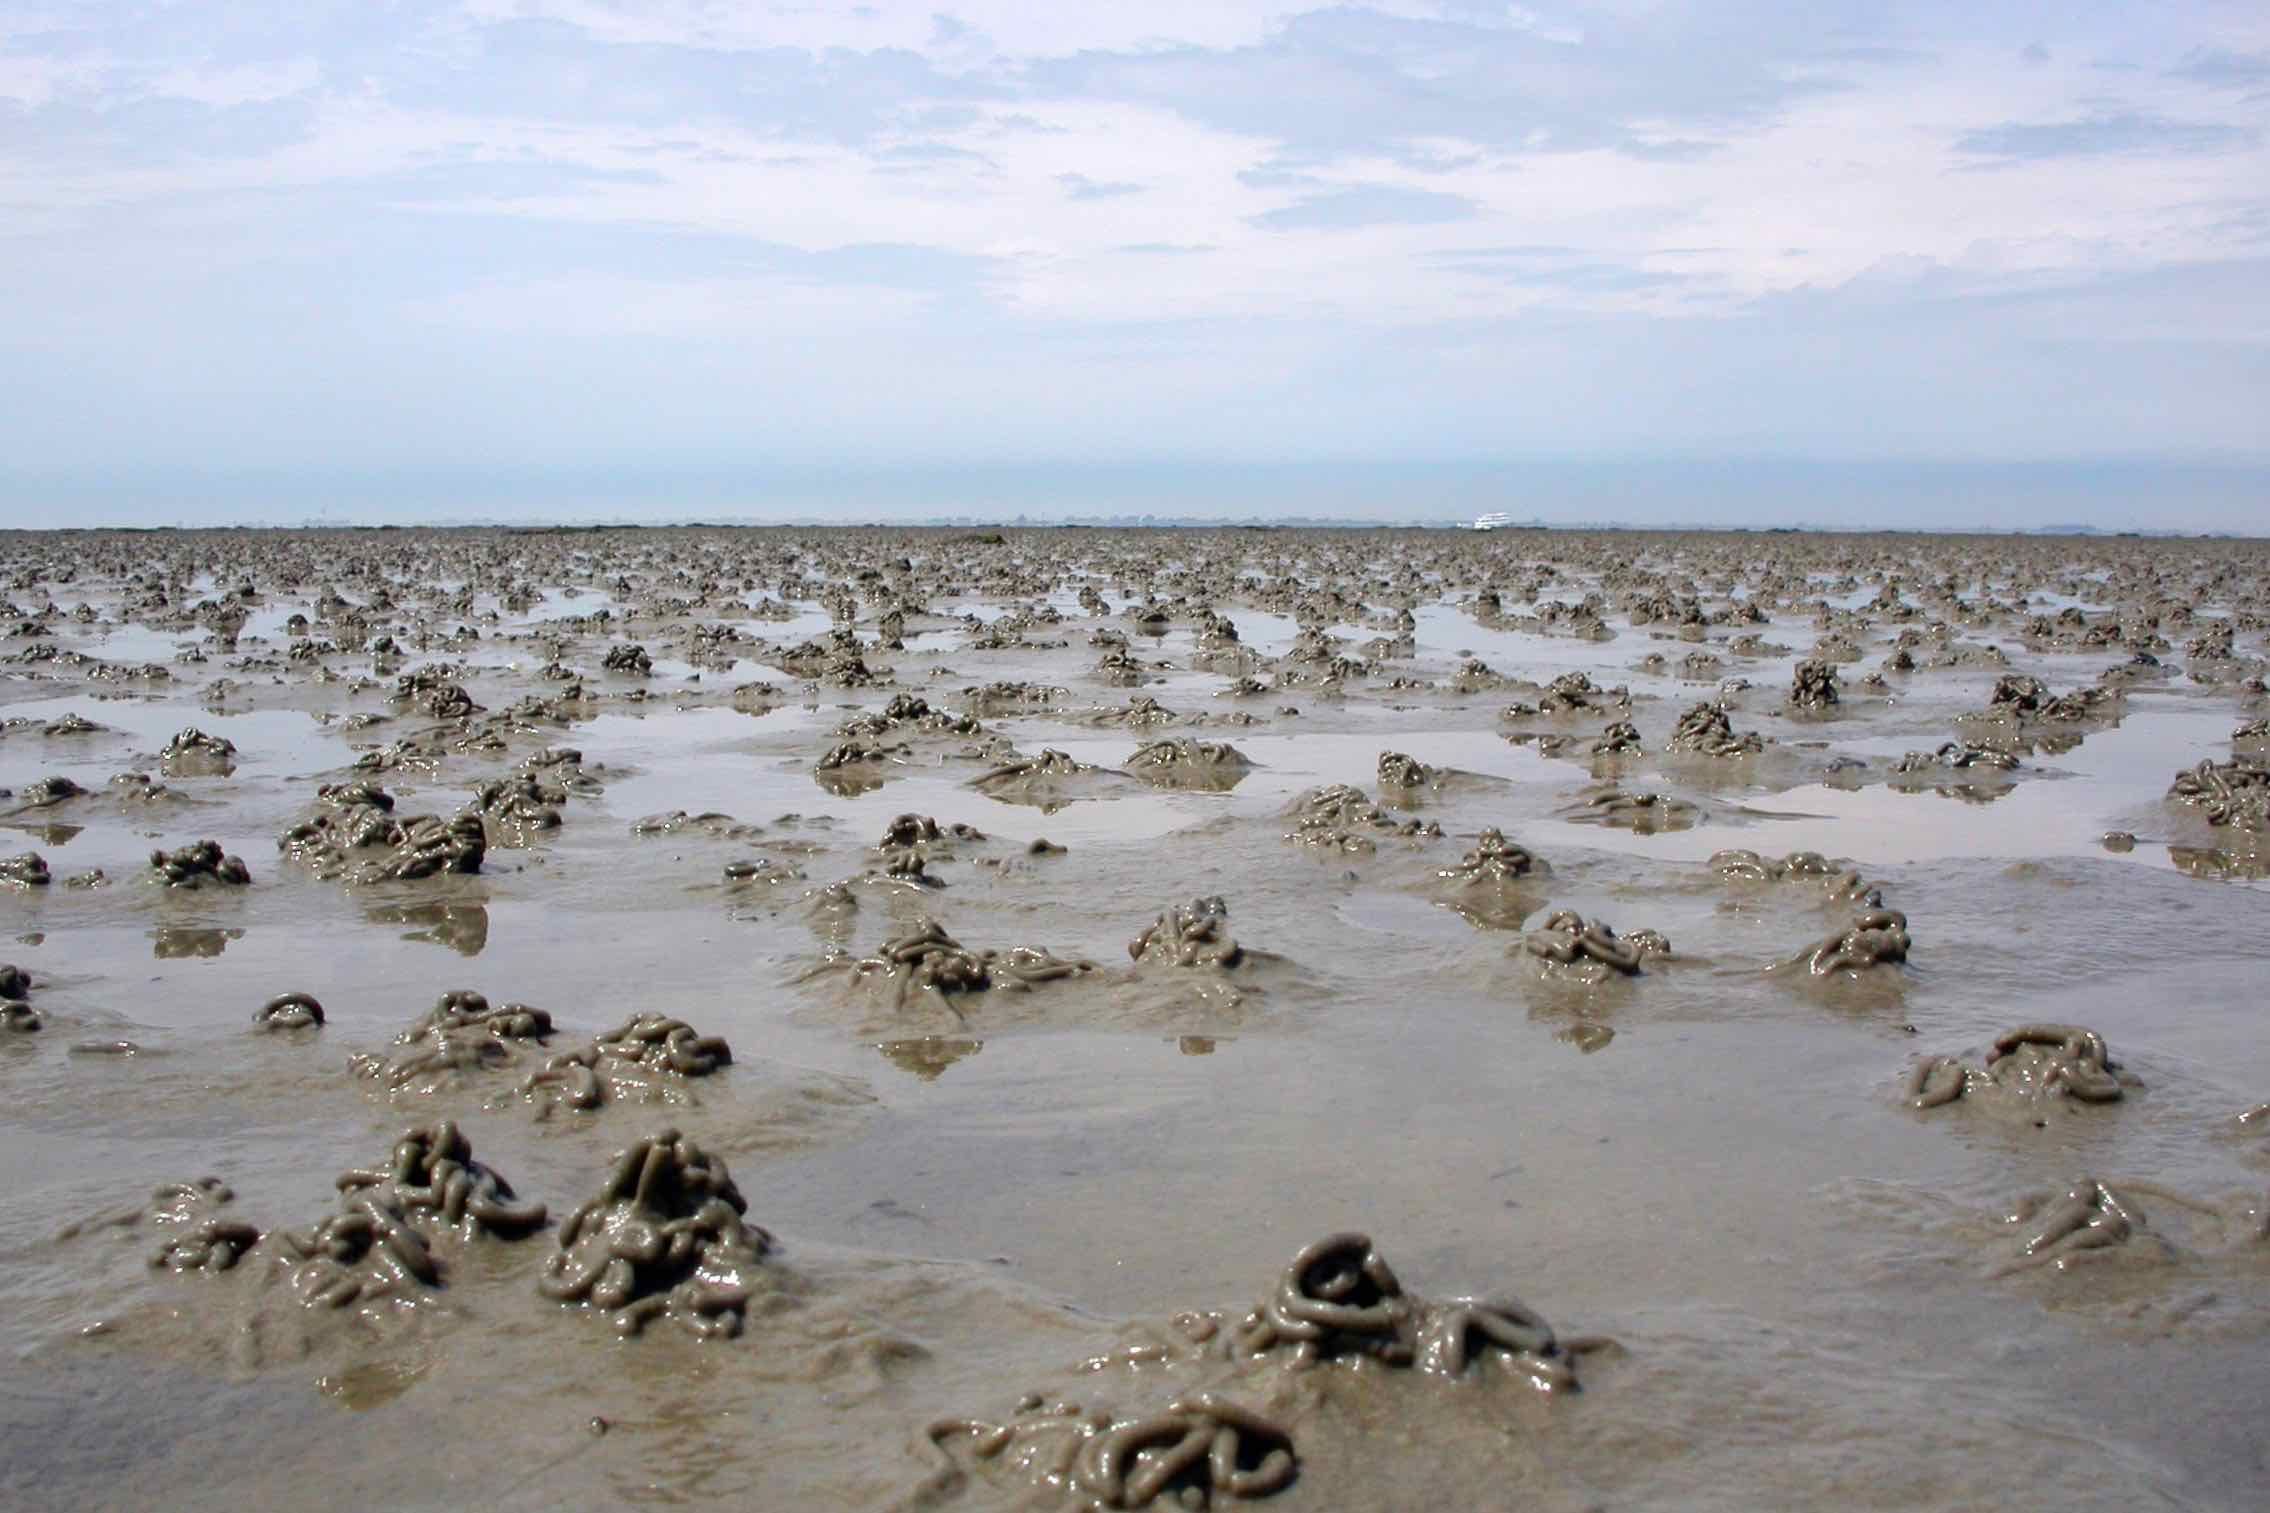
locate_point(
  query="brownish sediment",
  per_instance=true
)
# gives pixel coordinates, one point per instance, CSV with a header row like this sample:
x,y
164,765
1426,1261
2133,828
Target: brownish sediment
x,y
591,758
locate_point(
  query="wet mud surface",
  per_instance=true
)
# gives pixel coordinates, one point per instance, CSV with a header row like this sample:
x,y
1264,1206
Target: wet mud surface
x,y
930,1019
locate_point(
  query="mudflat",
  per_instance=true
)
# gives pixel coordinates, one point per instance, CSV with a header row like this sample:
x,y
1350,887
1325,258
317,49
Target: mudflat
x,y
1087,1019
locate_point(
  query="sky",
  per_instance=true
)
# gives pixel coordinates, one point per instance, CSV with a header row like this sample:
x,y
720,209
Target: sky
x,y
1934,263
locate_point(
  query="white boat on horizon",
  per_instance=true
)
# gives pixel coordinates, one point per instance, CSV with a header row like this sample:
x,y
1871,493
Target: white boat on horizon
x,y
1492,522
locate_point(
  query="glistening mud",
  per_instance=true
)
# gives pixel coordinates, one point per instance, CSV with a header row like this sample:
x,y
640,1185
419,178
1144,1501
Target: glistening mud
x,y
847,1019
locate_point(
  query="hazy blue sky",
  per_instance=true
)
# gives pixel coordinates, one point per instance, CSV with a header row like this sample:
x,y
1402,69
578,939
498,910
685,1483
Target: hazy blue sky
x,y
1975,262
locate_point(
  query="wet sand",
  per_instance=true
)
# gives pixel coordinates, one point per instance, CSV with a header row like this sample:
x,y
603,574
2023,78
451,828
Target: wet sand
x,y
892,1163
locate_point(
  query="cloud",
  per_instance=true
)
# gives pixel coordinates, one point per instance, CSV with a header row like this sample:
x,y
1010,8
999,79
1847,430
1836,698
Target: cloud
x,y
1181,226
1079,186
1278,176
251,83
1681,150
2223,68
1561,268
1368,205
2127,134
907,156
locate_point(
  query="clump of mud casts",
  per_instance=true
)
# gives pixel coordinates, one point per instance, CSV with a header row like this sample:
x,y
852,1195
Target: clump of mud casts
x,y
932,1018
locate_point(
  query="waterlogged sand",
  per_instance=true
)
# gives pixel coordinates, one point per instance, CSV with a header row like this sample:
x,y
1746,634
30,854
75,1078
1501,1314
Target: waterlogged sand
x,y
989,1197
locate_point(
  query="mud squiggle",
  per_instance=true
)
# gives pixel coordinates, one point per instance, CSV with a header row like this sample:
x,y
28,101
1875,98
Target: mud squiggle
x,y
1840,881
460,1036
377,1247
664,1237
1341,818
2030,1064
195,866
648,1056
290,1011
2059,1229
1567,944
1200,1448
1338,1299
1874,938
1195,934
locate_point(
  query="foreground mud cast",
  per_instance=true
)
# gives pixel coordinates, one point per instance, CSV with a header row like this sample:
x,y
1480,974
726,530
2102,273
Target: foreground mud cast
x,y
934,1019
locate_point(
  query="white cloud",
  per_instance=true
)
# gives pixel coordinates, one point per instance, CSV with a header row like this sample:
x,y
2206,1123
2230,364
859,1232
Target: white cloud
x,y
1361,179
240,84
1010,28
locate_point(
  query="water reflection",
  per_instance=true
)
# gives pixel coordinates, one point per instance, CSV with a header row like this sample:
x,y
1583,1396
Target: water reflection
x,y
851,780
928,1056
1586,1037
463,927
172,942
50,835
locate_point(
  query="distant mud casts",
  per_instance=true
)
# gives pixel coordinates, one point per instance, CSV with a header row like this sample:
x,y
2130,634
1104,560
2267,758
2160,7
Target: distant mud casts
x,y
1341,818
1957,770
1646,813
1495,884
1051,780
1195,934
2234,793
1188,949
197,866
1567,947
193,753
517,810
1494,861
465,1041
356,838
46,793
25,870
1706,730
1959,757
459,1038
759,874
1406,776
1813,687
1201,765
2027,702
923,833
17,1016
711,823
1568,696
648,1058
928,960
1838,881
2242,864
